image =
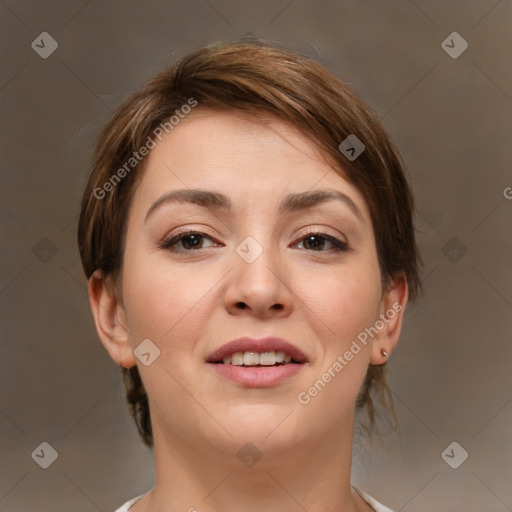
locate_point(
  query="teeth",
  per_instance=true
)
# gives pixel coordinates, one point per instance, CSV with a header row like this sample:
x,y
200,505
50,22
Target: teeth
x,y
238,359
251,358
256,358
268,358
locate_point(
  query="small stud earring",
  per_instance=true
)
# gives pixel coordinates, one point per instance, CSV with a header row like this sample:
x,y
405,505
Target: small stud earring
x,y
384,353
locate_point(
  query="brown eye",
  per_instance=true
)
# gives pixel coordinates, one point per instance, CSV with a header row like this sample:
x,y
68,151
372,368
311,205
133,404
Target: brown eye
x,y
321,242
188,242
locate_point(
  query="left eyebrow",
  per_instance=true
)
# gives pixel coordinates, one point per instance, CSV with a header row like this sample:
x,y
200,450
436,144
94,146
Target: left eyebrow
x,y
305,200
291,203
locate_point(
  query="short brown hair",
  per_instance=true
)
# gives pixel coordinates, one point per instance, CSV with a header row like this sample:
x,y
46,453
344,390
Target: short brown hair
x,y
254,78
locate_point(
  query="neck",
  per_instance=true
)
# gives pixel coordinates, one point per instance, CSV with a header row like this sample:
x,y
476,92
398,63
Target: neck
x,y
312,475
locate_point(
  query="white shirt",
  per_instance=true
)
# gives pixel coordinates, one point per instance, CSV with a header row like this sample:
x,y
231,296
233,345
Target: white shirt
x,y
378,507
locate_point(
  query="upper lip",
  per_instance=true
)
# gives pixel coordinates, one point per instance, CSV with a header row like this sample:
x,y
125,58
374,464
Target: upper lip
x,y
252,345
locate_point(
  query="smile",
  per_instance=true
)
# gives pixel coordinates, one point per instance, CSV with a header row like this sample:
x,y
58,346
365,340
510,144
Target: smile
x,y
251,358
252,363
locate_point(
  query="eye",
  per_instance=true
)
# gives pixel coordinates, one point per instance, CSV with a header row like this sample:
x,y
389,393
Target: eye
x,y
321,242
194,240
187,242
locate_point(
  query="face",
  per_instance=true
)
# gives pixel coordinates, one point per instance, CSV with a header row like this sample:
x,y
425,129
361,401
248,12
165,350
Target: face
x,y
193,281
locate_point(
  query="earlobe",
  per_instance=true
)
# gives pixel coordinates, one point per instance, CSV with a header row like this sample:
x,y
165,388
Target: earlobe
x,y
391,314
109,317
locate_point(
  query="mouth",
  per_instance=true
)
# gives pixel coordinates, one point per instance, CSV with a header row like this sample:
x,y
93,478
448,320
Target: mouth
x,y
257,363
251,358
251,352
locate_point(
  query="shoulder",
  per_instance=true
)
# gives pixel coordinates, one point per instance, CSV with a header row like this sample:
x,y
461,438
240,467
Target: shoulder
x,y
378,507
129,503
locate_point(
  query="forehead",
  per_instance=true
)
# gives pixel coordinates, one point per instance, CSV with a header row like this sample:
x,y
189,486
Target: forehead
x,y
252,158
206,136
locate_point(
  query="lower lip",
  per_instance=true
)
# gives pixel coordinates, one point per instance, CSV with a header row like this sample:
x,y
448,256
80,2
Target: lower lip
x,y
257,376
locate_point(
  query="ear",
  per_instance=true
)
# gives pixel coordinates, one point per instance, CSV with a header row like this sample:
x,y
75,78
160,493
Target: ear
x,y
109,317
391,313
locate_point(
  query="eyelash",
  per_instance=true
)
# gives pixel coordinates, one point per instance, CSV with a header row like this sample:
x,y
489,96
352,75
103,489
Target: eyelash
x,y
170,243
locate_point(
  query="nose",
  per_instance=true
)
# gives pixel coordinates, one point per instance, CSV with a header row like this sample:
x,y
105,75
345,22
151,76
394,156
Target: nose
x,y
259,288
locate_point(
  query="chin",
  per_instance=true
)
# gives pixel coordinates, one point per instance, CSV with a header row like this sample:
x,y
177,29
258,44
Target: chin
x,y
265,425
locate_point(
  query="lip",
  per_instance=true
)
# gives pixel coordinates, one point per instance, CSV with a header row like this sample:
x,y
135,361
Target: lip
x,y
257,376
252,345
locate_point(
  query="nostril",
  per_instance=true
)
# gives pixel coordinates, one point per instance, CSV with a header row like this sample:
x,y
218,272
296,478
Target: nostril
x,y
243,305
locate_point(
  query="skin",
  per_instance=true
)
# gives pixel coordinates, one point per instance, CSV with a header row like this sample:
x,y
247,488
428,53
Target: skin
x,y
190,303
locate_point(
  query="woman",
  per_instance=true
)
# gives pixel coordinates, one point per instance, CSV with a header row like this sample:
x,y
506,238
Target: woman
x,y
247,236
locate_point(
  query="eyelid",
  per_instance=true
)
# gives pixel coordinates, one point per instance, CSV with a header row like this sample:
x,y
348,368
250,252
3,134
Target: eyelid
x,y
323,231
172,238
340,243
167,240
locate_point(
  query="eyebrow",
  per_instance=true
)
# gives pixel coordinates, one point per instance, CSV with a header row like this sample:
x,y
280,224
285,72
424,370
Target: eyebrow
x,y
291,203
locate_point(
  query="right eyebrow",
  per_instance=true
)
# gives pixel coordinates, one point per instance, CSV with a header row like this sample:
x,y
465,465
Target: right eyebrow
x,y
206,198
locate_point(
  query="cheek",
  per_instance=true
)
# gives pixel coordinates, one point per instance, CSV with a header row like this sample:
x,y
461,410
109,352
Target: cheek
x,y
159,299
353,305
345,305
346,299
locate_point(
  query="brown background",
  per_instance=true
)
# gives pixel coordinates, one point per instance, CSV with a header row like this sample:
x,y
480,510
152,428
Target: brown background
x,y
451,118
